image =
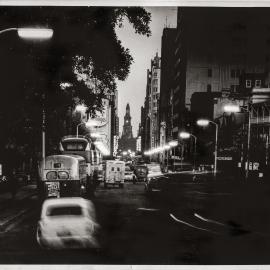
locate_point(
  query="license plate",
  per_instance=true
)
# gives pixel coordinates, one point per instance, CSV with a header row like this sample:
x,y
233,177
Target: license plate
x,y
53,189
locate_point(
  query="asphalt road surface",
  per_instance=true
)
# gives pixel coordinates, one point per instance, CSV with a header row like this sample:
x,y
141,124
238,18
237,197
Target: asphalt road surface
x,y
189,221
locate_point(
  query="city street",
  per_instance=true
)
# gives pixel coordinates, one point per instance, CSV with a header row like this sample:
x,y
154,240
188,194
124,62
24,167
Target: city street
x,y
191,221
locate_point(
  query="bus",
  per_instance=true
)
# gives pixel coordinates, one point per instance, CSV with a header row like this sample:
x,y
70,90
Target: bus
x,y
82,146
63,176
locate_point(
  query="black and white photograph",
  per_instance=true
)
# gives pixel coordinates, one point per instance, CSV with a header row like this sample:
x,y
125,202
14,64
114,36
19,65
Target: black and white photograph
x,y
134,134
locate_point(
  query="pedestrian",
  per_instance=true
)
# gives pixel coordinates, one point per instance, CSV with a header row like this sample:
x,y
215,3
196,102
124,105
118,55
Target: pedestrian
x,y
13,184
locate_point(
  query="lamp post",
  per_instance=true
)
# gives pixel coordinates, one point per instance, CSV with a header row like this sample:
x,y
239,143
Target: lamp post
x,y
90,123
204,123
233,108
167,148
173,144
187,135
35,34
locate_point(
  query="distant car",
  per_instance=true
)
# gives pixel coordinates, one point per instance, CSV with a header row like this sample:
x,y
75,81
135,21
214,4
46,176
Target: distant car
x,y
67,223
141,172
129,175
154,173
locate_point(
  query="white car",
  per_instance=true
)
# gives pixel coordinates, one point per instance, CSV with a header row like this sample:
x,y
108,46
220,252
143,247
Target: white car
x,y
67,223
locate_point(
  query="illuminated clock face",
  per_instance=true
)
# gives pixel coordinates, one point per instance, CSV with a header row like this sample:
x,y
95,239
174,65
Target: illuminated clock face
x,y
126,121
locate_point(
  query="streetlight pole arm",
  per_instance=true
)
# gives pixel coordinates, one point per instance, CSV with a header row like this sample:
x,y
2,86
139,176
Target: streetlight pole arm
x,y
77,131
8,30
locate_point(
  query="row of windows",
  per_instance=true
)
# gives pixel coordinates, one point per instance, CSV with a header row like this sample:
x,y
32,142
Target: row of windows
x,y
258,83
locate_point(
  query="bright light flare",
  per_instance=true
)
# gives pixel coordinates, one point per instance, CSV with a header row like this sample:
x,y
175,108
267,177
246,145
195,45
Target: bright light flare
x,y
166,147
35,33
231,108
91,123
80,108
203,122
102,148
184,135
173,143
95,135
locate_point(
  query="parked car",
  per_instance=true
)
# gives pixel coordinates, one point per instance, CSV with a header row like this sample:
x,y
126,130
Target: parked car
x,y
67,223
129,175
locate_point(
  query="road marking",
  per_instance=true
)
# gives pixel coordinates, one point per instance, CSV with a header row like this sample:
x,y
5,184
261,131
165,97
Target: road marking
x,y
190,225
209,220
19,219
148,209
213,194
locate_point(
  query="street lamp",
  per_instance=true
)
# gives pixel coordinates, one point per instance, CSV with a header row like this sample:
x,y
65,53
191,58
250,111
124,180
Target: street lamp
x,y
173,144
34,34
205,123
31,33
233,108
88,124
167,148
187,135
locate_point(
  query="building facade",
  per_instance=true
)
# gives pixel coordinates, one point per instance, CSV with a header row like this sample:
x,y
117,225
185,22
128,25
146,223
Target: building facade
x,y
150,123
217,49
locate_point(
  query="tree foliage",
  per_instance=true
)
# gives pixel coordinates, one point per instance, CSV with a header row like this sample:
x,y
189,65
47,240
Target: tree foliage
x,y
84,51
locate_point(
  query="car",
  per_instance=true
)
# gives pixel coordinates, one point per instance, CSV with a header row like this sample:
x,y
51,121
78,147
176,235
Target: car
x,y
140,172
67,223
129,175
154,174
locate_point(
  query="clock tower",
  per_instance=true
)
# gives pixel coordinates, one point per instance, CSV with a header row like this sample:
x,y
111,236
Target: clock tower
x,y
127,128
127,142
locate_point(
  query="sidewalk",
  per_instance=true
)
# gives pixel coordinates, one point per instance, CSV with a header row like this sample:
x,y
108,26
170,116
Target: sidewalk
x,y
23,192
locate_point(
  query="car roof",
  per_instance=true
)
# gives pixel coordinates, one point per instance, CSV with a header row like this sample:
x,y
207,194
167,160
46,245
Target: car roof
x,y
66,201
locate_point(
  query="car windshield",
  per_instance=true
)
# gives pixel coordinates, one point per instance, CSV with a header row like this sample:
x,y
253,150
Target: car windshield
x,y
141,169
64,211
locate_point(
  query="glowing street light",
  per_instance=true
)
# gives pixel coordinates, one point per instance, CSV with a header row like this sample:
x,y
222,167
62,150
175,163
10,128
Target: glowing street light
x,y
173,144
204,123
187,135
184,135
35,33
231,108
31,33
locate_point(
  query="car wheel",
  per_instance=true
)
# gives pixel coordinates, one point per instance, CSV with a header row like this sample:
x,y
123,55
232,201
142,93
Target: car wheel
x,y
39,238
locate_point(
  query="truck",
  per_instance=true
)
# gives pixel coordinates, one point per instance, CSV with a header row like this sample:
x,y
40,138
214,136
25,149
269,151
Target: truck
x,y
114,173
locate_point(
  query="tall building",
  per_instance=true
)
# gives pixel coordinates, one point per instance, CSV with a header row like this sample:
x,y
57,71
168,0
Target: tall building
x,y
127,142
218,49
150,112
166,80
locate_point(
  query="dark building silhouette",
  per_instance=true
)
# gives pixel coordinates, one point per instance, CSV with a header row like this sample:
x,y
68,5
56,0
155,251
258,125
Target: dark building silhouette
x,y
127,142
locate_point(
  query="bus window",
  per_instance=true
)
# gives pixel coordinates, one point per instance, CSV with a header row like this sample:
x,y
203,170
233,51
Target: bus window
x,y
74,146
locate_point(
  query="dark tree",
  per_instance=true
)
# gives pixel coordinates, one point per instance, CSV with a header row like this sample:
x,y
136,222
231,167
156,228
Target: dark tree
x,y
84,51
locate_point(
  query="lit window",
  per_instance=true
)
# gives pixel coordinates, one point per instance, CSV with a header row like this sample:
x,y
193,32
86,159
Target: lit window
x,y
257,83
248,83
